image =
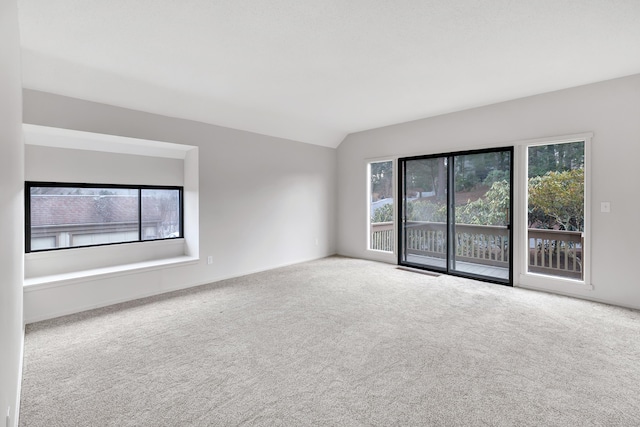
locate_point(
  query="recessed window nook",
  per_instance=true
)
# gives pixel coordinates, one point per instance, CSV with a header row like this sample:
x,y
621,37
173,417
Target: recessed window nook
x,y
107,158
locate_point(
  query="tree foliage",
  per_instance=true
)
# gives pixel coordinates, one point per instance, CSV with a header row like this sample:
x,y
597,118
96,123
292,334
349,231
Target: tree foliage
x,y
556,187
382,179
427,175
559,195
492,209
555,157
426,210
383,214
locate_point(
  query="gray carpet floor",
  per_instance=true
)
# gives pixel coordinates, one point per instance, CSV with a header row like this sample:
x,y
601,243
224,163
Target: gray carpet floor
x,y
337,342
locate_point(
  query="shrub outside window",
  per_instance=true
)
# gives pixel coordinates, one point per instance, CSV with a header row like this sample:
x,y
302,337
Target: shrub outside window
x,y
63,215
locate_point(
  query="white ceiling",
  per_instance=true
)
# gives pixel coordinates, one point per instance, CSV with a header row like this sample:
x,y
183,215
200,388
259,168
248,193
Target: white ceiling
x,y
317,70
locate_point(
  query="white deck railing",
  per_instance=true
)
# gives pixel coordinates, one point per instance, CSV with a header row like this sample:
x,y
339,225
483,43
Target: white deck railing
x,y
479,244
382,236
556,252
551,252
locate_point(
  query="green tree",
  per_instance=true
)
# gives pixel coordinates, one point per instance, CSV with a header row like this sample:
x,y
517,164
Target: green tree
x,y
495,176
383,214
422,175
382,178
492,209
426,210
559,195
555,157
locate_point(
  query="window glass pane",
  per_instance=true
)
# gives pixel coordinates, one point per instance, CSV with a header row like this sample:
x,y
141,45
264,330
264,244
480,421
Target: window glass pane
x,y
76,216
381,207
482,205
556,209
424,206
160,214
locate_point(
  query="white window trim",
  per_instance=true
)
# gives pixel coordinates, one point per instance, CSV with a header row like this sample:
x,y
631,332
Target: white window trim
x,y
520,265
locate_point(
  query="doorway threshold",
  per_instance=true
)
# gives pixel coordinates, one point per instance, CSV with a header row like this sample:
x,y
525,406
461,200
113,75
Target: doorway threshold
x,y
419,270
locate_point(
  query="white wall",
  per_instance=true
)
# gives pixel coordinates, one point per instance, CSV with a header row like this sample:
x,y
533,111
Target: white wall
x,y
11,191
611,110
264,202
80,166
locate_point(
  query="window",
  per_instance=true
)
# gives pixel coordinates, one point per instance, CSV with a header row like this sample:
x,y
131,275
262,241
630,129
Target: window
x,y
63,215
556,207
381,206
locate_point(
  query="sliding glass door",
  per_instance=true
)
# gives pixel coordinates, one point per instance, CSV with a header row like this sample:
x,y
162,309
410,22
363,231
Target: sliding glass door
x,y
455,213
424,228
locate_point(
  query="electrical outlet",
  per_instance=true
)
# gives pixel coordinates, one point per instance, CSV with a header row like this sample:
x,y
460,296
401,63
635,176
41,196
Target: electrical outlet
x,y
209,260
605,207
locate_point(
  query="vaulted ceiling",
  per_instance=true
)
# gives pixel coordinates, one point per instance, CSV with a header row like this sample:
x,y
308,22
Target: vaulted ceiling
x,y
317,70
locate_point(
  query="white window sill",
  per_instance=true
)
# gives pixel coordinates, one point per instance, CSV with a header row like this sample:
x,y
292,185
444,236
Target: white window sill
x,y
55,280
552,283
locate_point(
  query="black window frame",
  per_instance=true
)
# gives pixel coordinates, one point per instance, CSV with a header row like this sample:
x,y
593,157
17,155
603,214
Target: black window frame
x,y
31,184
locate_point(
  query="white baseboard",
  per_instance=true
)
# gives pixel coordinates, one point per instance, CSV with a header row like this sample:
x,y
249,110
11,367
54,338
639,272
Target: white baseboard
x,y
578,296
